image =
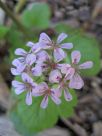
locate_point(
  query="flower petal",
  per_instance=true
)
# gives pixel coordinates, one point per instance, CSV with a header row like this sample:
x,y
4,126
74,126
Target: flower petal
x,y
56,92
21,68
36,48
45,41
30,59
17,84
44,66
19,87
75,55
64,68
42,87
59,54
86,65
36,92
42,56
76,82
26,78
44,38
70,73
67,95
16,62
55,99
67,46
37,71
22,60
20,51
61,37
29,98
30,44
55,76
15,72
44,102
19,90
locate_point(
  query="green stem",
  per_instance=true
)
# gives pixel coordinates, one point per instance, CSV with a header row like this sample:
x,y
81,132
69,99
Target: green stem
x,y
14,18
20,5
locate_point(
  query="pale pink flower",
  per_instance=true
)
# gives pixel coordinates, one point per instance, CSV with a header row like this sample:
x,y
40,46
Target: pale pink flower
x,y
27,85
72,72
35,47
18,67
58,53
55,76
42,57
63,87
43,89
37,70
26,58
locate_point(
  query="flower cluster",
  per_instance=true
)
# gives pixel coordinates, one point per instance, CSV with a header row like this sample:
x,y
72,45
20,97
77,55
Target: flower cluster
x,y
43,70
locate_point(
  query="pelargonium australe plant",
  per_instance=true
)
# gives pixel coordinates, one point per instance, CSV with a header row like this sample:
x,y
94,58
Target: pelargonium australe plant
x,y
44,72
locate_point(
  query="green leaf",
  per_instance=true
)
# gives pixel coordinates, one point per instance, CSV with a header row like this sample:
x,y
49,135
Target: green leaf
x,y
16,40
3,31
66,109
35,119
87,45
37,16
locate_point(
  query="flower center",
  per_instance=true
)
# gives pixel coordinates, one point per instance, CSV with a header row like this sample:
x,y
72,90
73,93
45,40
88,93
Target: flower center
x,y
28,87
48,92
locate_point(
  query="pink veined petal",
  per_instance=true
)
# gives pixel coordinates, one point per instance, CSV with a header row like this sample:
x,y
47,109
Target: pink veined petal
x,y
15,72
45,41
70,73
59,66
16,62
26,78
30,44
19,87
55,99
36,92
30,59
29,98
37,71
19,90
22,61
21,68
55,76
44,102
42,56
56,92
20,51
67,46
76,82
44,38
86,65
65,68
34,85
75,55
59,54
42,87
44,66
67,95
17,84
61,37
36,48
